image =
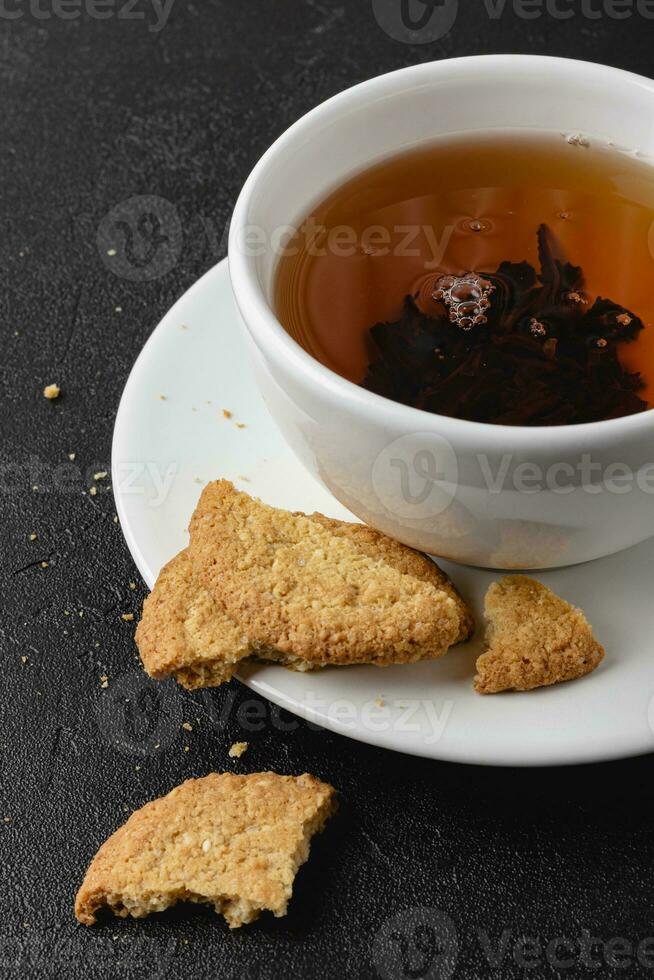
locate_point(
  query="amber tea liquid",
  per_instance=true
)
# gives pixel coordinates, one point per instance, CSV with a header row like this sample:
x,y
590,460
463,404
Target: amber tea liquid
x,y
468,203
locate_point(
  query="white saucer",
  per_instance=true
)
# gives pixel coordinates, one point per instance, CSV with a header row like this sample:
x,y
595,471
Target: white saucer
x,y
196,360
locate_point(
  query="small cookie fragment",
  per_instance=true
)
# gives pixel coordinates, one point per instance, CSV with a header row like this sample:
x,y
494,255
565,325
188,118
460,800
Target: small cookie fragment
x,y
534,639
234,842
51,392
237,750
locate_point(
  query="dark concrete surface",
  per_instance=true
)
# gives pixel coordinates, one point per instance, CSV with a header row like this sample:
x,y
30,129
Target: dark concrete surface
x,y
94,111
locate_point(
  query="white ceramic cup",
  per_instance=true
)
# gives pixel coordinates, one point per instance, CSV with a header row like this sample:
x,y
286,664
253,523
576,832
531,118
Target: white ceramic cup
x,y
488,495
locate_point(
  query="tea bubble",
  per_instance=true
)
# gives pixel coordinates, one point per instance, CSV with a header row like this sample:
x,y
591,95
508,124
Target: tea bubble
x,y
469,308
476,225
466,291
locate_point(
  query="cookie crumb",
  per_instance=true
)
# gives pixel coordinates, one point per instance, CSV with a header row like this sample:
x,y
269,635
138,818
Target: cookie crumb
x,y
23,660
132,585
164,398
187,726
241,425
100,475
104,681
380,702
93,491
237,750
32,537
71,456
187,748
227,414
51,391
127,617
44,564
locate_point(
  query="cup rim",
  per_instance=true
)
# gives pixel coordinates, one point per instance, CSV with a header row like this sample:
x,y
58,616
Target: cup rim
x,y
261,320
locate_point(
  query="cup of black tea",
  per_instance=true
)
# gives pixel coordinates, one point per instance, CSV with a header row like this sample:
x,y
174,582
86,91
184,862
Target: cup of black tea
x,y
446,277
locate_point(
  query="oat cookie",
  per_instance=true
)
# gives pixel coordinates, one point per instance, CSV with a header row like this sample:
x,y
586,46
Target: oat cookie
x,y
295,585
301,590
234,842
184,632
534,638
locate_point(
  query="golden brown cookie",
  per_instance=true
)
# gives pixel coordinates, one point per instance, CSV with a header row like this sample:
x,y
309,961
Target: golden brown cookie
x,y
303,591
234,842
298,587
534,638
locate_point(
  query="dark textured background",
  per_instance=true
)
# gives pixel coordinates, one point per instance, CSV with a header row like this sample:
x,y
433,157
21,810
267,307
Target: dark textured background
x,y
92,113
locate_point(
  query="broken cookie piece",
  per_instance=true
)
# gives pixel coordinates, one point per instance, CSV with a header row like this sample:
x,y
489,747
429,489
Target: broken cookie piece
x,y
234,842
533,638
185,633
300,590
